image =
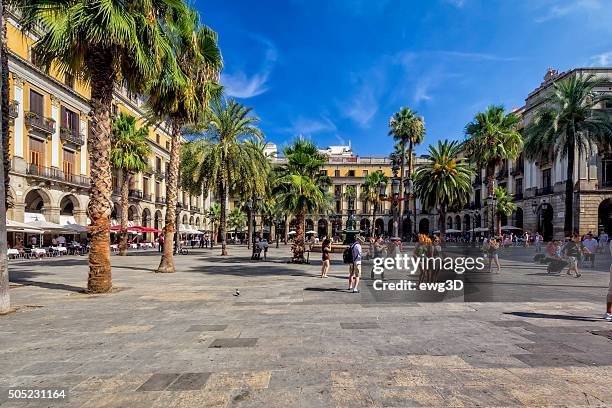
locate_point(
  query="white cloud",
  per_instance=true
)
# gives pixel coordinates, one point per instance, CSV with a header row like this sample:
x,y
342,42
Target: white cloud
x,y
477,56
602,60
240,85
560,8
421,91
311,126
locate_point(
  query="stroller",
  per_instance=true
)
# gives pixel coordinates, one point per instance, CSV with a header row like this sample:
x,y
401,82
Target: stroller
x,y
556,265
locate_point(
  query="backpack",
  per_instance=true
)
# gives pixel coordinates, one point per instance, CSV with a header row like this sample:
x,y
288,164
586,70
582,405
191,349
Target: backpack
x,y
347,255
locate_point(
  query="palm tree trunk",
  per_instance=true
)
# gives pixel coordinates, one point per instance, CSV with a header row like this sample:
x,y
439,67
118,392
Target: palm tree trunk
x,y
401,191
166,265
498,224
298,252
99,145
286,229
442,223
123,234
374,220
213,234
6,158
5,300
249,228
223,220
568,226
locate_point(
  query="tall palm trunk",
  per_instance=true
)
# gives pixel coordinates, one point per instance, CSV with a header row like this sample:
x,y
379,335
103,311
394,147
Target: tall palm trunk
x,y
99,146
166,265
286,229
568,226
400,221
6,158
223,219
5,300
249,228
442,223
123,234
374,220
298,252
213,234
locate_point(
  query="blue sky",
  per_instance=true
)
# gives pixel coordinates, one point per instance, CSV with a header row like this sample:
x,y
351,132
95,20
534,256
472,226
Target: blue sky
x,y
336,70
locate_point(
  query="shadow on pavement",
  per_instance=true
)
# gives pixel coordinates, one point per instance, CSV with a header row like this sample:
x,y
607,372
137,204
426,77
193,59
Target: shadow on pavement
x,y
553,316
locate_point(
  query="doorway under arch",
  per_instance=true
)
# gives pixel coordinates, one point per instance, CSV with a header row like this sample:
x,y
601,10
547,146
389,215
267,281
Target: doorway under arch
x,y
424,226
379,227
604,215
322,228
545,215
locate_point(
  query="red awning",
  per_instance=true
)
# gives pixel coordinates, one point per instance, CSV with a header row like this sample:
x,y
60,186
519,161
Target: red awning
x,y
149,229
131,229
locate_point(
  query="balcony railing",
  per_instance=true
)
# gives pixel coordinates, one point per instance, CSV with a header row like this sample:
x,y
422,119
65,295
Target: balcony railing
x,y
517,171
35,121
135,194
544,190
502,174
147,197
50,173
194,209
72,136
160,200
160,175
13,109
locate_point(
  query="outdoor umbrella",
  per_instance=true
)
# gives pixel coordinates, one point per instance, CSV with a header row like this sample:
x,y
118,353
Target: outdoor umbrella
x,y
511,228
14,226
481,229
76,227
311,232
149,229
291,233
50,227
448,231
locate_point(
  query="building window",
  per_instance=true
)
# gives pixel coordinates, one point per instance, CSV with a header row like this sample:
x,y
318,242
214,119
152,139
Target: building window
x,y
606,172
145,182
158,164
351,173
323,172
68,163
37,149
365,173
37,103
157,139
546,178
519,186
477,198
157,189
69,80
338,207
167,145
336,173
70,119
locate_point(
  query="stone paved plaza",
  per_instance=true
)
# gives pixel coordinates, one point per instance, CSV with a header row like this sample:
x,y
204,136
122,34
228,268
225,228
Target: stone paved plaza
x,y
292,339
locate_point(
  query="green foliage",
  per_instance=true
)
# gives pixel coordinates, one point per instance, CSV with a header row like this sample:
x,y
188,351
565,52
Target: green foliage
x,y
570,119
214,213
445,181
300,187
371,187
504,201
236,219
351,192
491,137
407,127
225,157
78,32
131,147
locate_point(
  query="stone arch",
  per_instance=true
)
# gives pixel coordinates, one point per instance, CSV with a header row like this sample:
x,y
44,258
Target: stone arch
x,y
146,218
197,222
604,216
379,227
424,226
336,225
467,222
458,222
364,226
184,220
158,220
449,222
191,219
544,216
406,227
116,213
390,226
478,220
322,228
36,200
309,225
68,204
517,218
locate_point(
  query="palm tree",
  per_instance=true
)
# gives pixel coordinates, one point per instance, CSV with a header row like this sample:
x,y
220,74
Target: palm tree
x,y
409,130
569,122
102,42
214,215
371,192
301,188
443,182
220,158
492,137
129,154
236,219
351,194
504,206
179,97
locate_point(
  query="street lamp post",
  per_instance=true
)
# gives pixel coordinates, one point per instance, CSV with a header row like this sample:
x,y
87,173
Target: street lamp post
x,y
492,204
395,198
277,221
253,205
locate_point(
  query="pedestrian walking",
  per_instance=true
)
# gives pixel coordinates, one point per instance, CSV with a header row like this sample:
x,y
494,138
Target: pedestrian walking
x,y
603,242
493,254
608,315
325,257
590,245
538,242
573,251
160,241
355,265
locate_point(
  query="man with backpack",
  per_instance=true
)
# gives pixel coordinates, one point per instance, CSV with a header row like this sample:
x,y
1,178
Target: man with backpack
x,y
352,256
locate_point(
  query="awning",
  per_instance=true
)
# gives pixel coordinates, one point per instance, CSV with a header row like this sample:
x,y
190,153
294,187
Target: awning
x,y
15,226
76,227
510,228
50,227
191,231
